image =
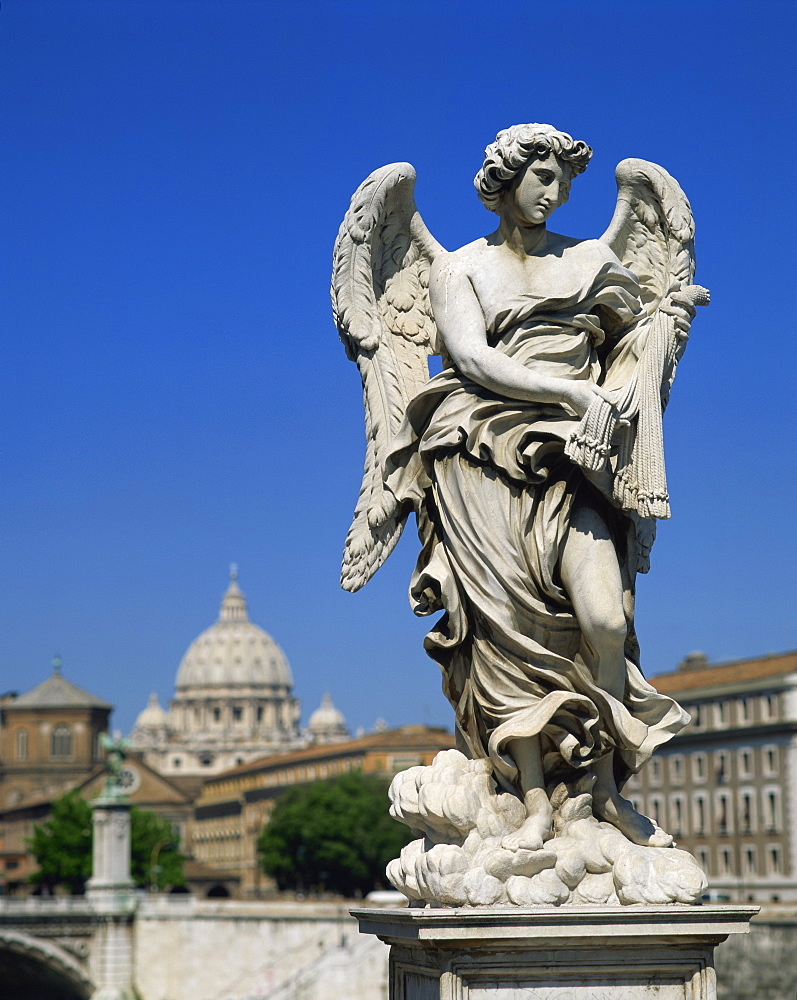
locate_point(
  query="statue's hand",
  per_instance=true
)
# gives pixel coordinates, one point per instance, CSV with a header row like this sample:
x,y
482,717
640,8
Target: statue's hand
x,y
680,303
578,395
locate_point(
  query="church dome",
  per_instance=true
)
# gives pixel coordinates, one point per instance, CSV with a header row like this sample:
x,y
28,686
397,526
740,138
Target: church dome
x,y
234,652
153,716
327,723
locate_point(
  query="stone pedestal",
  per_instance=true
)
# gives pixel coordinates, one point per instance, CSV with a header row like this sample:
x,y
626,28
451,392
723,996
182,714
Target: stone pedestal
x,y
555,953
110,891
110,867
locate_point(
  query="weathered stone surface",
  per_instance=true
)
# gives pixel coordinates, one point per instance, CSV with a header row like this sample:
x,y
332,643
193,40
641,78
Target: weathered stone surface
x,y
543,953
460,860
534,463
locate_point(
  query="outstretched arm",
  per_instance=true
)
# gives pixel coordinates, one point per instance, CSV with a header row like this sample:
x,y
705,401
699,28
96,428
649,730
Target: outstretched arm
x,y
460,322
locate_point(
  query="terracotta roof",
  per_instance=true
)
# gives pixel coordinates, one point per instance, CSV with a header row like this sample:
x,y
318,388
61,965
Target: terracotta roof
x,y
735,672
405,738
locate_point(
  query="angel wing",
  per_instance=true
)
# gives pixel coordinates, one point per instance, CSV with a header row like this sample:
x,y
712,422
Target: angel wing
x,y
652,233
380,301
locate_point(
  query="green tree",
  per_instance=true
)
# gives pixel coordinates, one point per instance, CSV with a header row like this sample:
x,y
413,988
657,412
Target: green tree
x,y
332,835
62,847
154,855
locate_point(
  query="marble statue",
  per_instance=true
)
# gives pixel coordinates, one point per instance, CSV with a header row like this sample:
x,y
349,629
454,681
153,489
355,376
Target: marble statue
x,y
534,465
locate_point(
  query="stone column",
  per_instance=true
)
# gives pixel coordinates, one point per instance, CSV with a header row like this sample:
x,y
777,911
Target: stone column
x,y
110,868
555,953
111,893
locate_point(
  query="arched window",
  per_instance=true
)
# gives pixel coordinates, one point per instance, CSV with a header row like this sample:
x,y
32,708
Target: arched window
x,y
61,742
22,744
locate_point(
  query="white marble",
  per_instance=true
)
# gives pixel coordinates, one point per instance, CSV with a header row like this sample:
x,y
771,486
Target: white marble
x,y
461,859
544,953
535,466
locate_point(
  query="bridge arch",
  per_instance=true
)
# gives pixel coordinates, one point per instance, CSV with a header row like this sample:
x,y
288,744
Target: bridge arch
x,y
32,967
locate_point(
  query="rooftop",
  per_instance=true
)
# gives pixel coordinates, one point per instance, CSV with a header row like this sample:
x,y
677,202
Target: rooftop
x,y
57,692
405,738
692,678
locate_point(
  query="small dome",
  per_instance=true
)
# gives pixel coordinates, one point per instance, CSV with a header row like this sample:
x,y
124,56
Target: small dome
x,y
153,716
327,723
234,652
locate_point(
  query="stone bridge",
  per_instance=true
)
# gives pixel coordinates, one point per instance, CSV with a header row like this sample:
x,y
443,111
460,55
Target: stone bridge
x,y
45,947
183,948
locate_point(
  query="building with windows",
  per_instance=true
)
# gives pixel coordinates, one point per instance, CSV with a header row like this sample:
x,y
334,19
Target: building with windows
x,y
49,738
726,786
234,806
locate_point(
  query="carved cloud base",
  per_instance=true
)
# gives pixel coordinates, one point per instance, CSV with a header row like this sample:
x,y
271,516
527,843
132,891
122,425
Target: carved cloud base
x,y
555,953
461,859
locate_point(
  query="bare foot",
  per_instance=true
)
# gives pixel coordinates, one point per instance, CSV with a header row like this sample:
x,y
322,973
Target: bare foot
x,y
537,825
637,828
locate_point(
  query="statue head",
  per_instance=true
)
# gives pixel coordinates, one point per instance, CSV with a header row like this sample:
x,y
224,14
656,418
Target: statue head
x,y
515,147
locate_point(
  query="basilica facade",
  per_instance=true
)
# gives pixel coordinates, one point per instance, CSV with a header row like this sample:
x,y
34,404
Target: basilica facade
x,y
233,700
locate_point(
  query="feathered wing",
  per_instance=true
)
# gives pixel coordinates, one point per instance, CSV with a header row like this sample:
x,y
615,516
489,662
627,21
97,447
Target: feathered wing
x,y
380,300
652,233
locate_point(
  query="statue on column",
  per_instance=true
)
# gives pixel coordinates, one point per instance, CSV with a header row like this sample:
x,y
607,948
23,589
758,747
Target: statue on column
x,y
534,465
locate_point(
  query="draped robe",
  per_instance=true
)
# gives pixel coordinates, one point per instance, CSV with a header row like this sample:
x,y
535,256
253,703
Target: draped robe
x,y
493,491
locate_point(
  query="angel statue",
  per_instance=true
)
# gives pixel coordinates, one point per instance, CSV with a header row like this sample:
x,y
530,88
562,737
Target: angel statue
x,y
533,461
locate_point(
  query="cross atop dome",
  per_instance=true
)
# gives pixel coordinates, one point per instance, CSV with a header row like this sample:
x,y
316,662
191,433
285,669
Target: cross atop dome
x,y
233,604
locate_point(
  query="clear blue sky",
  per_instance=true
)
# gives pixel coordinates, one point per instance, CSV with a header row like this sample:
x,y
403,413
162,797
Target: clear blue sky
x,y
174,396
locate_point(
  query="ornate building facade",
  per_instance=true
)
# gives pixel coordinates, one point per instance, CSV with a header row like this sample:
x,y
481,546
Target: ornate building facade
x,y
233,700
726,786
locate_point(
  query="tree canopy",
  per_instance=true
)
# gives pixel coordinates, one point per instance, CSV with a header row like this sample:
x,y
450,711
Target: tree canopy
x,y
332,835
62,847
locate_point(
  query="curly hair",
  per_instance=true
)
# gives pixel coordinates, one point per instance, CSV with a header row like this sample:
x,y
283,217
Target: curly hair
x,y
514,147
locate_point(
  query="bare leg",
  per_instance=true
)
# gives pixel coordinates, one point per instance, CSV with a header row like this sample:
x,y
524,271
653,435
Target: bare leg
x,y
591,574
528,758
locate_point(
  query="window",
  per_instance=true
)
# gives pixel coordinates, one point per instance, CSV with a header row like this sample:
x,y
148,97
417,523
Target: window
x,y
655,772
720,715
22,744
655,810
774,860
702,858
677,815
744,710
676,769
722,813
61,742
725,861
216,714
699,767
745,763
771,810
237,714
176,762
259,713
721,767
700,815
770,761
206,761
771,706
748,856
402,763
697,716
746,811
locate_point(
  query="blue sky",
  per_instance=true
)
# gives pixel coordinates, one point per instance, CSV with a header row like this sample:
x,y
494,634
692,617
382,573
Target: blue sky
x,y
174,396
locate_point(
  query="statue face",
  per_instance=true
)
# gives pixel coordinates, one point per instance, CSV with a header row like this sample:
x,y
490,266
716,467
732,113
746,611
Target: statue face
x,y
539,189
